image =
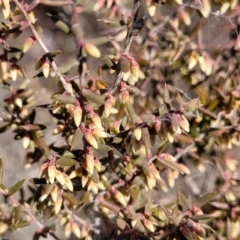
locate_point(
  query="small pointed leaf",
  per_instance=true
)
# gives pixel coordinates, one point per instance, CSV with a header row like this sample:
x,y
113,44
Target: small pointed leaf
x,y
16,187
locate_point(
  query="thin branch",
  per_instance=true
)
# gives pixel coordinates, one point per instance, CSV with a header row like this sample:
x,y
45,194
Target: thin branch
x,y
28,211
127,45
43,46
184,151
80,220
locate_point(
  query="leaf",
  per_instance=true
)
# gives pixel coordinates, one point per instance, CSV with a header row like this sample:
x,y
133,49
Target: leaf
x,y
202,217
17,213
64,98
170,216
100,99
14,50
95,177
110,22
133,89
1,170
192,105
2,186
66,162
168,164
15,187
121,224
44,147
109,62
68,154
23,223
104,148
71,199
166,94
205,199
183,201
130,110
77,139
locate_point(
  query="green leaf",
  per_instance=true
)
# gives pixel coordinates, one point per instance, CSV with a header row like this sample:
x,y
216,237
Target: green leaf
x,y
64,98
130,110
22,224
2,186
17,213
68,154
183,201
205,199
16,187
77,138
163,145
167,164
170,216
104,148
109,62
1,170
100,99
133,89
110,22
95,177
66,162
44,147
71,199
202,217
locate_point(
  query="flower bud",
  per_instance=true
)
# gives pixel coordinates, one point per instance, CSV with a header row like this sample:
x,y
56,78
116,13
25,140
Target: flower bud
x,y
13,72
58,204
26,141
91,140
54,193
68,230
68,182
84,180
28,44
76,230
75,173
43,168
92,50
148,224
60,178
118,196
137,133
51,173
88,164
77,115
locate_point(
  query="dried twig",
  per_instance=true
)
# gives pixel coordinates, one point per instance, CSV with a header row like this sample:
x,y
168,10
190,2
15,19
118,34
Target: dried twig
x,y
127,44
43,46
29,212
80,220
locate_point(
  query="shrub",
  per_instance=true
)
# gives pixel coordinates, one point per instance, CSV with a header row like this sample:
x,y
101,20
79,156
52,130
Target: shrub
x,y
162,109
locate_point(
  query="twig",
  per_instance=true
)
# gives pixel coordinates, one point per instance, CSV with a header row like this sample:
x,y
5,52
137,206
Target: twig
x,y
208,113
184,151
45,49
127,45
80,220
28,211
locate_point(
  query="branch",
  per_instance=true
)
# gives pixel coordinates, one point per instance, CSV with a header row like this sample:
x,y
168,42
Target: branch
x,y
80,220
43,46
28,211
127,44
